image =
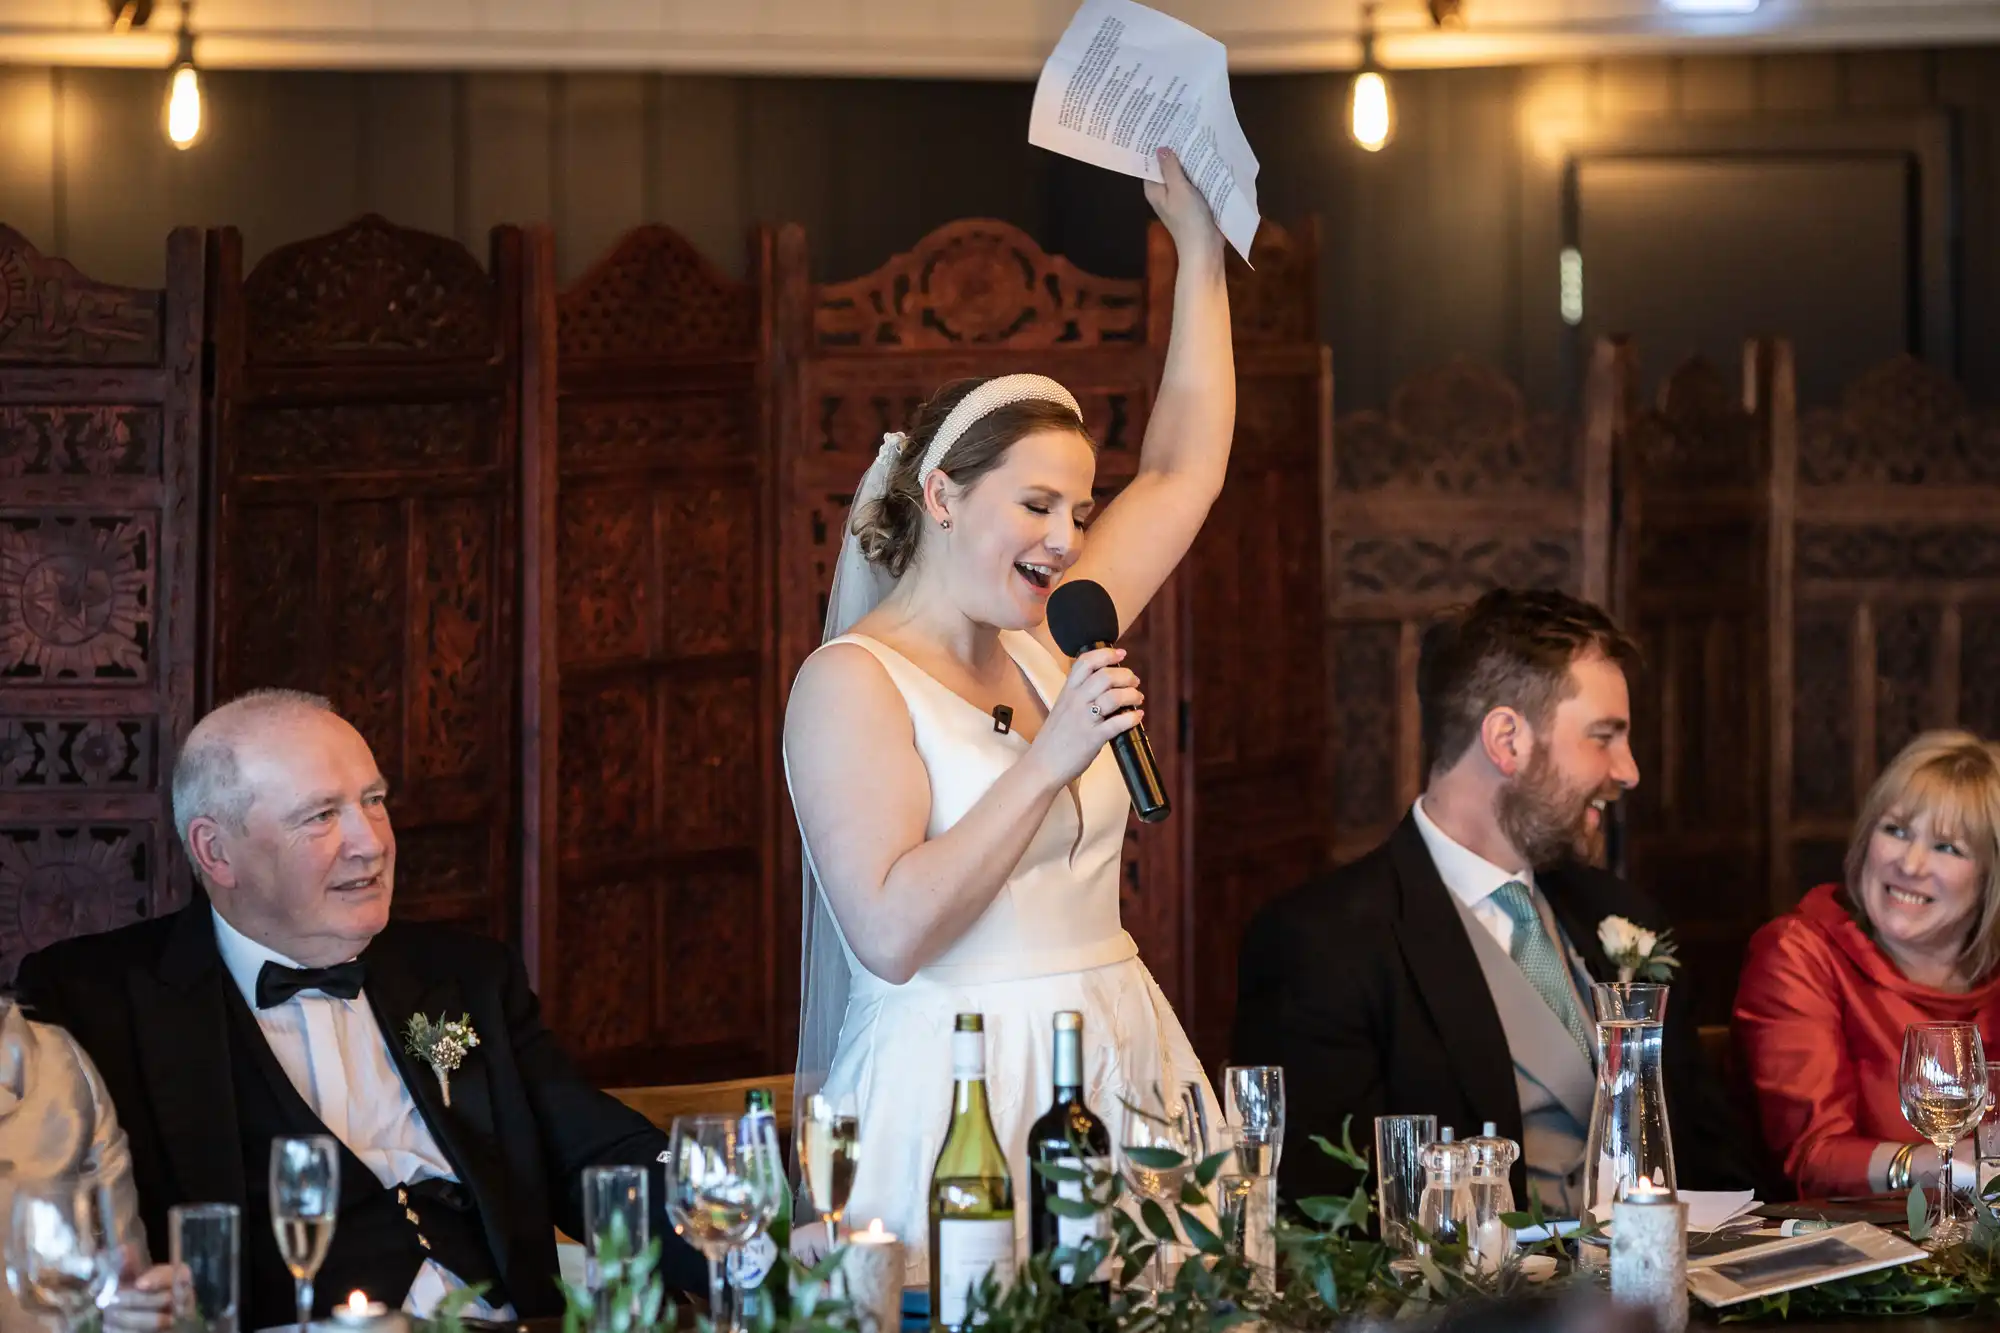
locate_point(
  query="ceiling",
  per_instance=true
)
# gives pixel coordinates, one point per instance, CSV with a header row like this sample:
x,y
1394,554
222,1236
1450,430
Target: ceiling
x,y
957,38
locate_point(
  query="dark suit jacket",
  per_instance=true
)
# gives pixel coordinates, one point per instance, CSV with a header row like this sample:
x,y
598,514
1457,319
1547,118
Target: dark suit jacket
x,y
148,1003
1365,987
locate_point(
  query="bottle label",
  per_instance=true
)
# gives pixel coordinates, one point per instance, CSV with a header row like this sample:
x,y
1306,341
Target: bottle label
x,y
1075,1232
968,1055
968,1249
749,1265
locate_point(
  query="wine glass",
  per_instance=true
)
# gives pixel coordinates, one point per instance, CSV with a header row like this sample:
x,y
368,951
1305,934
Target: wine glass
x,y
726,1184
829,1151
305,1204
1944,1095
1145,1146
60,1255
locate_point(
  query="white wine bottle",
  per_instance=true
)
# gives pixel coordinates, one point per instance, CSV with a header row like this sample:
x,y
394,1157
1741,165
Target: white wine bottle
x,y
972,1190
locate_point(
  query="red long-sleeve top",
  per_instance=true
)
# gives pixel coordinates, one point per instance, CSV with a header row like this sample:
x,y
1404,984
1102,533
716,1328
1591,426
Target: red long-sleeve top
x,y
1820,1013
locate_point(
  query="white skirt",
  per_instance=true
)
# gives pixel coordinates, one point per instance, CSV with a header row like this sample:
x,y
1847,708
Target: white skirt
x,y
895,1061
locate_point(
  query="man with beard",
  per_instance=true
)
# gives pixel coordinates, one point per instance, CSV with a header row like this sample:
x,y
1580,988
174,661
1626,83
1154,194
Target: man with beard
x,y
1448,971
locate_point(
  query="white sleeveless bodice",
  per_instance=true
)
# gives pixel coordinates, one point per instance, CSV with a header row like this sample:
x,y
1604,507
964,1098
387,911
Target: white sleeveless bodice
x,y
1058,911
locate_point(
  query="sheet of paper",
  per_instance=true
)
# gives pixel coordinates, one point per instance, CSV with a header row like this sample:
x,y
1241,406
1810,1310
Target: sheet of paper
x,y
1125,80
1709,1209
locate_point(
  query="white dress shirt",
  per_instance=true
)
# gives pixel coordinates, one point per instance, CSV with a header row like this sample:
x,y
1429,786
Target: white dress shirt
x,y
1472,878
335,1054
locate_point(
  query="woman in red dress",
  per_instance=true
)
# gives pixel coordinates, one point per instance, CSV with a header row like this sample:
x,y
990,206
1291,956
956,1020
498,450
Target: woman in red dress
x,y
1913,936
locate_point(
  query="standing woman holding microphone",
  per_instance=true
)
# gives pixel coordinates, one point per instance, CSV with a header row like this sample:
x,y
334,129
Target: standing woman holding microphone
x,y
955,861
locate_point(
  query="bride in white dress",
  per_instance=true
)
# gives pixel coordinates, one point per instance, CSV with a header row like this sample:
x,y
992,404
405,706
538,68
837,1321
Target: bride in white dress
x,y
956,866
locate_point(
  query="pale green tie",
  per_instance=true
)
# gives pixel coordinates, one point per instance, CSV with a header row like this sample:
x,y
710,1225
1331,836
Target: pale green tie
x,y
1540,960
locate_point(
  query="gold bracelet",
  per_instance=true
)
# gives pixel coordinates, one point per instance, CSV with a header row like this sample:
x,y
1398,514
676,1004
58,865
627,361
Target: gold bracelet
x,y
1899,1169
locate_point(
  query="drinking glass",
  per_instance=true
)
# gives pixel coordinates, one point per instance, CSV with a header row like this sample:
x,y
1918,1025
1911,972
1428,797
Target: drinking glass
x,y
1986,1137
616,1224
204,1243
305,1204
1173,1131
1253,1102
60,1256
1944,1095
1399,1144
829,1151
727,1183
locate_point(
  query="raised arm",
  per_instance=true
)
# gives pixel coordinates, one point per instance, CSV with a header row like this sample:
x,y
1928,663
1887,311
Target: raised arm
x,y
1142,535
864,802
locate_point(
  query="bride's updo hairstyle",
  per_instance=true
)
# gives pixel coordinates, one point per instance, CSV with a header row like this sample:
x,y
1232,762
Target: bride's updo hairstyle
x,y
890,528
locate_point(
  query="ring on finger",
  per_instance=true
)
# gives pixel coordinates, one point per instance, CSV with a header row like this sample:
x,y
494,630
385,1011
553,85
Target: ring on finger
x,y
1094,711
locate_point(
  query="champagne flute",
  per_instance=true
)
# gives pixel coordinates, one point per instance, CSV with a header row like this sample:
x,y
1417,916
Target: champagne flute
x,y
727,1182
305,1203
1253,1104
1944,1095
59,1252
829,1152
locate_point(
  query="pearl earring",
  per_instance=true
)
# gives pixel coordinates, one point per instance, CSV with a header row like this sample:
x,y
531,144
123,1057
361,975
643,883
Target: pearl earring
x,y
945,523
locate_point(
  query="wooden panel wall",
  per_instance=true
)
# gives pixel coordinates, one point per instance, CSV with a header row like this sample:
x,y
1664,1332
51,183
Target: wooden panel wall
x,y
1423,262
99,507
1458,488
365,416
654,650
1694,585
1891,616
1255,643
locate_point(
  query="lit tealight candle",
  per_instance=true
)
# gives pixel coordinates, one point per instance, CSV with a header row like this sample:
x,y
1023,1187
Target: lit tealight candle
x,y
359,1310
1649,1253
872,1269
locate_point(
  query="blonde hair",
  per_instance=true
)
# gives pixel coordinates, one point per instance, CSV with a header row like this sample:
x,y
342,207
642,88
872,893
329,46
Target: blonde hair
x,y
1954,777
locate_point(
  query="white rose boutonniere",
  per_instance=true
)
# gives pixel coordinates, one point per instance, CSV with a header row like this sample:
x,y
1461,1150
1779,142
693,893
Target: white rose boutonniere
x,y
1638,954
441,1045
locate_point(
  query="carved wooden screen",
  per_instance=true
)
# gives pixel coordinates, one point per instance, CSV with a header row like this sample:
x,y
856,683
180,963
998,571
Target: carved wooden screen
x,y
1456,489
365,418
975,297
1256,641
1892,620
99,504
659,940
1694,586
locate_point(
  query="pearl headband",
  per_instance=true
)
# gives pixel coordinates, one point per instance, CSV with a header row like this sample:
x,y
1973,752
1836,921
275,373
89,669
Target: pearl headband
x,y
1001,391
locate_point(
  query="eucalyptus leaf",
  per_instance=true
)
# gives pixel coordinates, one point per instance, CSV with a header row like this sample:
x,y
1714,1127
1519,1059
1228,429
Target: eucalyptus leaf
x,y
1156,1159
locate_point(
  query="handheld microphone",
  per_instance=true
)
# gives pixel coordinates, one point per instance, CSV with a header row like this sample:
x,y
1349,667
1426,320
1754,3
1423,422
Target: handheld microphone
x,y
1082,618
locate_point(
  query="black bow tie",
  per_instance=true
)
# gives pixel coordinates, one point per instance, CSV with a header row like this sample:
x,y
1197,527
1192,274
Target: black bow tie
x,y
277,983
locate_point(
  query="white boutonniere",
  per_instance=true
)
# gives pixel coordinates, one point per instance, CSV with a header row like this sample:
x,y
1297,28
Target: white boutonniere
x,y
1638,954
441,1045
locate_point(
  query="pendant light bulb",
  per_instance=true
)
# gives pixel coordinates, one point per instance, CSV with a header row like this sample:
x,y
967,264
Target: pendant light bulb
x,y
1370,117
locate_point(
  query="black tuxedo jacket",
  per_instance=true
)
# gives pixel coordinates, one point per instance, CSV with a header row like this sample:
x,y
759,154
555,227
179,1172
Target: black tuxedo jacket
x,y
150,1004
1364,985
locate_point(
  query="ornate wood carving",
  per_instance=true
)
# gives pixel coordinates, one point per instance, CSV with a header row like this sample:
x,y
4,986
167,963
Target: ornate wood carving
x,y
977,284
99,491
653,890
1457,430
1901,423
1460,486
366,428
1692,585
1256,640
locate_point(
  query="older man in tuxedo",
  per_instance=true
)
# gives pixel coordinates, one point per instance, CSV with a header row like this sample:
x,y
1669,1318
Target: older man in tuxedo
x,y
276,1005
1448,971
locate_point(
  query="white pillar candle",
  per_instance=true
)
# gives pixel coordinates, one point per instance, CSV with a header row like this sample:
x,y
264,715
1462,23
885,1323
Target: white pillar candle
x,y
872,1270
1649,1254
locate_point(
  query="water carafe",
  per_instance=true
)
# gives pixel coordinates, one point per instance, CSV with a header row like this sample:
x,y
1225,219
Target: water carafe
x,y
1629,1136
1446,1204
1489,1164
